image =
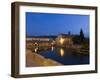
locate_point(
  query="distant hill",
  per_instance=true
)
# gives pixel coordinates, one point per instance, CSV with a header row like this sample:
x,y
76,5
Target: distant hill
x,y
51,36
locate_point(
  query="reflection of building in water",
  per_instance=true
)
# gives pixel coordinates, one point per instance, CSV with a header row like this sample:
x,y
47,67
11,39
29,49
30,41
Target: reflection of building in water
x,y
52,48
62,52
64,40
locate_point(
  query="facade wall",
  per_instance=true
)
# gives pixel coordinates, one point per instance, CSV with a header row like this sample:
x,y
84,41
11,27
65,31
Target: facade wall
x,y
64,41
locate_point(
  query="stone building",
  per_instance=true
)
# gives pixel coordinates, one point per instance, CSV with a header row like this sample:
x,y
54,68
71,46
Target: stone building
x,y
64,40
39,41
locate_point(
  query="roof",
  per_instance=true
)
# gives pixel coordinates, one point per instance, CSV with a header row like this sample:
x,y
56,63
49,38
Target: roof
x,y
65,35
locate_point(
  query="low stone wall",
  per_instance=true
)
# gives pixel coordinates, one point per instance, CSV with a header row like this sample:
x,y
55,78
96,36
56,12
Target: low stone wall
x,y
34,59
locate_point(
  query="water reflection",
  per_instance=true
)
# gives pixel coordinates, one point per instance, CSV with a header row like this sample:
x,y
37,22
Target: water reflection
x,y
61,51
52,48
62,55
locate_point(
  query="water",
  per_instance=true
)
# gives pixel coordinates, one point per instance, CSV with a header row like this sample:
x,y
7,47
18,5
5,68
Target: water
x,y
65,56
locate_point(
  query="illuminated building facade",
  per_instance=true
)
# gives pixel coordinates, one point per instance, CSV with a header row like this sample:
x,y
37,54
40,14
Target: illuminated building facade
x,y
64,40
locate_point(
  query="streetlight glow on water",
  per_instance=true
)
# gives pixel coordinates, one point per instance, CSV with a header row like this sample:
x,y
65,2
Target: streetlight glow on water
x,y
61,52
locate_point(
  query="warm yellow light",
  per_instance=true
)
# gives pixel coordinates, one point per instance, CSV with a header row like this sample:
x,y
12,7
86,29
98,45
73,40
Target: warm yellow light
x,y
61,40
61,52
36,49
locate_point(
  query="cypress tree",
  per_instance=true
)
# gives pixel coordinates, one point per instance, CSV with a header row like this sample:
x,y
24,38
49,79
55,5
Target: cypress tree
x,y
81,36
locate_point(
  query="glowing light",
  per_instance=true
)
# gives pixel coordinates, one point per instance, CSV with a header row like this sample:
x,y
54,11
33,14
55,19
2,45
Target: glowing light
x,y
36,49
52,48
62,52
61,40
35,43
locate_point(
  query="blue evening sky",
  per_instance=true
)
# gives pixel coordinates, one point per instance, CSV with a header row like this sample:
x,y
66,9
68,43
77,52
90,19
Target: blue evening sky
x,y
38,24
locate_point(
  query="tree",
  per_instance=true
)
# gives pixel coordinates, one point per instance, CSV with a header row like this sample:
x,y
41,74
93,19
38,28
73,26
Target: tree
x,y
81,36
76,39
